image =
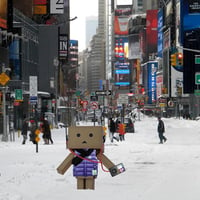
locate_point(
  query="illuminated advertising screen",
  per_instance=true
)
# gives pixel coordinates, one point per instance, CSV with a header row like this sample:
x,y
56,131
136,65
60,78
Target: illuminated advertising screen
x,y
159,85
122,74
160,33
73,52
122,65
193,6
121,48
152,69
3,13
190,15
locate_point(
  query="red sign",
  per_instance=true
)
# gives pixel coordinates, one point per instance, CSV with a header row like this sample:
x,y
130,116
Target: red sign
x,y
85,103
94,105
40,2
3,13
16,103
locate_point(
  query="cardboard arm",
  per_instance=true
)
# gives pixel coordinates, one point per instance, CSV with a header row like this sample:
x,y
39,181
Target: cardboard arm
x,y
105,160
64,166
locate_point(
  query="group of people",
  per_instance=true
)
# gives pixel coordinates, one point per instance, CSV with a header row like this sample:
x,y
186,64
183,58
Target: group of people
x,y
31,125
116,129
119,128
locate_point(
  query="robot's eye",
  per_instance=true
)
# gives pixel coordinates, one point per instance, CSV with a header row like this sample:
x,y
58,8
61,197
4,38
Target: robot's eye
x,y
91,135
78,135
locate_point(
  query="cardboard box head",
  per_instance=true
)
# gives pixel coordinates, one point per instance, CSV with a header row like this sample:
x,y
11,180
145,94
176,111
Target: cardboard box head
x,y
81,137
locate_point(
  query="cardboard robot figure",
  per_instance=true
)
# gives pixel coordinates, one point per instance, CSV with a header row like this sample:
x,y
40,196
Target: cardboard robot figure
x,y
86,151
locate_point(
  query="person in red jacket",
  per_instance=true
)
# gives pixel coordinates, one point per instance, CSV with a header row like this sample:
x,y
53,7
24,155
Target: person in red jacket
x,y
121,130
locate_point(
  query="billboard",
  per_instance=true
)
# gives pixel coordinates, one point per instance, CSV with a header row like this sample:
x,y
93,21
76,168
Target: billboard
x,y
63,46
39,7
3,13
176,81
190,15
122,14
121,48
152,69
160,33
159,85
122,74
151,31
73,53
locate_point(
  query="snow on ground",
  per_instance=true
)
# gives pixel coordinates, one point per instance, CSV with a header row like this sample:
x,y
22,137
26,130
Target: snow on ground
x,y
154,171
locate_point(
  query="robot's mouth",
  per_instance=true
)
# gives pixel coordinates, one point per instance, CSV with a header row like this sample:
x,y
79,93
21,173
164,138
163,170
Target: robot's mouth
x,y
84,142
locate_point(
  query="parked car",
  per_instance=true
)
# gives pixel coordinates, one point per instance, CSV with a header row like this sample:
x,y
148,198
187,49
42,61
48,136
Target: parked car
x,y
130,128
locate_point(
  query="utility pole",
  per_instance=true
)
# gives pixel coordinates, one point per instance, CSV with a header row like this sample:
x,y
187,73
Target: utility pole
x,y
3,80
56,64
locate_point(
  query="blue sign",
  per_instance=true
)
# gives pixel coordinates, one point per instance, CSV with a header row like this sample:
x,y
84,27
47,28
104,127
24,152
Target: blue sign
x,y
152,69
160,33
190,15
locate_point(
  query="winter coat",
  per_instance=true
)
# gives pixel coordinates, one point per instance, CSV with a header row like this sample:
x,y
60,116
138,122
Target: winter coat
x,y
32,134
121,129
112,126
161,126
45,128
86,167
25,127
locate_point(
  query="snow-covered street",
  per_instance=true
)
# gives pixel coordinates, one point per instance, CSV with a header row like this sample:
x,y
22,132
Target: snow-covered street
x,y
168,171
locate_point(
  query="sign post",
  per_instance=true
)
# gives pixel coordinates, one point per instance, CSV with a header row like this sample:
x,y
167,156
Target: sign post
x,y
4,78
103,92
197,78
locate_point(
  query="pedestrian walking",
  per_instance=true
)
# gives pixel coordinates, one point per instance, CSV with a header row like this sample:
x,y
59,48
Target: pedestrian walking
x,y
161,130
45,129
33,128
112,129
24,131
121,130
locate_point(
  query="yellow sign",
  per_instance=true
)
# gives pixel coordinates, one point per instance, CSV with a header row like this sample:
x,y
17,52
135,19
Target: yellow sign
x,y
40,10
4,78
162,105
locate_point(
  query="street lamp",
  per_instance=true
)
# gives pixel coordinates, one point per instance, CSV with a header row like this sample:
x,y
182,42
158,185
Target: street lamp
x,y
56,64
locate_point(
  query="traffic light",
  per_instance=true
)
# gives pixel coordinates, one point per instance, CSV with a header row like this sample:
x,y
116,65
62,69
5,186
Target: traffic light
x,y
179,59
37,138
173,59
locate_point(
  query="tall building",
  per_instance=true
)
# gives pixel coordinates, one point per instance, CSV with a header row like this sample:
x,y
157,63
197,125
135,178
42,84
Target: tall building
x,y
91,27
96,53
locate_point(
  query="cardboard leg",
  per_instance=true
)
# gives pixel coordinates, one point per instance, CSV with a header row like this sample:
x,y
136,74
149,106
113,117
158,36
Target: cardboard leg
x,y
89,183
80,183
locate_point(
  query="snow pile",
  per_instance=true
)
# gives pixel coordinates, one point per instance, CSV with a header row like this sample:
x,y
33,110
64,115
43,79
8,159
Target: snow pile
x,y
168,171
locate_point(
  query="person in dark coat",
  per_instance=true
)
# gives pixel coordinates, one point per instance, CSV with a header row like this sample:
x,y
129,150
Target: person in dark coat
x,y
45,128
161,130
24,131
112,129
33,128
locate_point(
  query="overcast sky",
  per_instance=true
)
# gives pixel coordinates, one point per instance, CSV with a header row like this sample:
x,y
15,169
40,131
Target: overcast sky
x,y
83,9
